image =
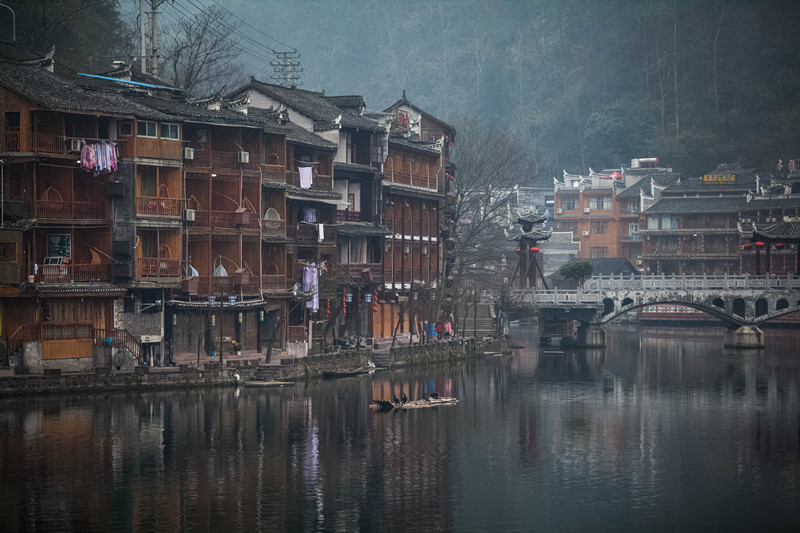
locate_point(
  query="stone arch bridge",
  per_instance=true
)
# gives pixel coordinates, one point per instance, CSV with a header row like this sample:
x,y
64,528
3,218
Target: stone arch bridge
x,y
742,302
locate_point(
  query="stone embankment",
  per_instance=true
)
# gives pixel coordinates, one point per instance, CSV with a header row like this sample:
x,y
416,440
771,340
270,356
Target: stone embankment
x,y
141,378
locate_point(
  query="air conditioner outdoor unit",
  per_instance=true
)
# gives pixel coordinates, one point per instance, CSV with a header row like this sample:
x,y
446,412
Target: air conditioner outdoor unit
x,y
244,157
587,210
74,145
188,153
188,215
559,210
585,233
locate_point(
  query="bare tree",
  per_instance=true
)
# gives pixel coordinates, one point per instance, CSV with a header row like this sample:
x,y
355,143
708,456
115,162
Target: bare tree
x,y
200,52
489,163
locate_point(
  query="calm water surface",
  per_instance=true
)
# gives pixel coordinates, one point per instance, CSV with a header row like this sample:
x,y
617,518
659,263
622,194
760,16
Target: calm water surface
x,y
661,431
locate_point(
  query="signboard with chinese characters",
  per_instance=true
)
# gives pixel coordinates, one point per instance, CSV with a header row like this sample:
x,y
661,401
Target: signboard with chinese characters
x,y
719,178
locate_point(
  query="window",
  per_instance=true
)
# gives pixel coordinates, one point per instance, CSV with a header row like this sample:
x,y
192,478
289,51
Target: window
x,y
146,128
632,207
125,129
568,204
601,203
600,228
169,131
568,226
8,252
59,245
599,252
652,222
633,231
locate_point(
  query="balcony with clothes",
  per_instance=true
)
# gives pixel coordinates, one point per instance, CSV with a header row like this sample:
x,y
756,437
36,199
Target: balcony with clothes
x,y
311,223
158,255
159,191
310,169
77,255
216,268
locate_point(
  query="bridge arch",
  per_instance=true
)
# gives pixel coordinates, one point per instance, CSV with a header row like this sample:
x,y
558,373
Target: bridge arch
x,y
715,312
762,307
740,307
783,303
718,302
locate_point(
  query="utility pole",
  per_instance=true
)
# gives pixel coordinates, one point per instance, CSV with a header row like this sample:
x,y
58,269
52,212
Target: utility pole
x,y
154,38
142,47
286,69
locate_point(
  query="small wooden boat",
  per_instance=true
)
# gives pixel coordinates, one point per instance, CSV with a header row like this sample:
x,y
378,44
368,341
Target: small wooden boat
x,y
337,375
383,405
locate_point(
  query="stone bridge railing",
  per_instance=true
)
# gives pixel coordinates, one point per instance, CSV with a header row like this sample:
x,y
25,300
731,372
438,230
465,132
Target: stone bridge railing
x,y
733,299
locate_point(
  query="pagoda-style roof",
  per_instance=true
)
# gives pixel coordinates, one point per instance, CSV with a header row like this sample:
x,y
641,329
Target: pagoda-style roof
x,y
783,232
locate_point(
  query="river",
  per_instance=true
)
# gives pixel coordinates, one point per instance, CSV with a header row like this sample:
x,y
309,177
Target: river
x,y
664,430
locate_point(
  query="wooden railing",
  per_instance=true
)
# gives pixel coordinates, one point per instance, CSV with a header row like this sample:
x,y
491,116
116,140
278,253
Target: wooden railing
x,y
273,228
295,333
49,143
348,216
216,285
68,273
70,210
119,338
309,233
321,182
273,173
222,219
273,282
374,270
11,143
152,205
153,267
23,334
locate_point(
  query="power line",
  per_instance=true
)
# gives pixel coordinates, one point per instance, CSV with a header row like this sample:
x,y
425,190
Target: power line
x,y
256,29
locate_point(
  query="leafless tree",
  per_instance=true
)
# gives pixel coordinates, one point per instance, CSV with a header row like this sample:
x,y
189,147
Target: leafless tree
x,y
200,52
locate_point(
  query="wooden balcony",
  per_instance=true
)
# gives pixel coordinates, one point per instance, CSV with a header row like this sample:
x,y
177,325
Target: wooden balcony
x,y
415,180
273,174
273,228
272,282
321,182
151,148
308,234
46,209
49,143
73,273
152,205
11,141
220,160
366,272
348,216
204,218
153,267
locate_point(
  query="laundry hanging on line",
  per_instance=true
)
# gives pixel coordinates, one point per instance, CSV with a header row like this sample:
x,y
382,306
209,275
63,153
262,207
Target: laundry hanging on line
x,y
99,158
306,177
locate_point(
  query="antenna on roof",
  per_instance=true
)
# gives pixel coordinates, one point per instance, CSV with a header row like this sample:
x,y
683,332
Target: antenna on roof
x,y
286,68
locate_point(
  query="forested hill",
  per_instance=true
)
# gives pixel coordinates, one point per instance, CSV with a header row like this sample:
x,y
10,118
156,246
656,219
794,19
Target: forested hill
x,y
581,82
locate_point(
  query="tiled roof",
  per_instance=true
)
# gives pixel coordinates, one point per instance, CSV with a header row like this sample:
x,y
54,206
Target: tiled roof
x,y
56,92
405,101
310,103
423,147
353,167
694,204
349,101
299,135
769,202
644,184
784,231
745,180
362,228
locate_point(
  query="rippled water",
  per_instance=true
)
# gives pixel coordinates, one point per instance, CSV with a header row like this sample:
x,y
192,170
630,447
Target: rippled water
x,y
661,431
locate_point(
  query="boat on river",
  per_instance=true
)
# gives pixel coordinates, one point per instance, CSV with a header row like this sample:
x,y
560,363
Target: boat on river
x,y
384,405
337,375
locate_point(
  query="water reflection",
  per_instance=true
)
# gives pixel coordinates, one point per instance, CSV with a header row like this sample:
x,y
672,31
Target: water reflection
x,y
653,432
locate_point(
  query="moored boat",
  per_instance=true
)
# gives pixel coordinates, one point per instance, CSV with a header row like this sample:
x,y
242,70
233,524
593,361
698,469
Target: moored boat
x,y
384,405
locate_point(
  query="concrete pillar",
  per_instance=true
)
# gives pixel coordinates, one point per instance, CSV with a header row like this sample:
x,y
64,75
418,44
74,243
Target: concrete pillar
x,y
591,336
744,337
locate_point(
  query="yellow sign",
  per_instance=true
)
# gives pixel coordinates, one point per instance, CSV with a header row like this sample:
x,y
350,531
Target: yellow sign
x,y
719,178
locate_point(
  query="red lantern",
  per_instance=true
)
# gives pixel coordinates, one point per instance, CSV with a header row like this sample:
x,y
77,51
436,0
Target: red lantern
x,y
748,246
534,249
779,245
759,244
517,250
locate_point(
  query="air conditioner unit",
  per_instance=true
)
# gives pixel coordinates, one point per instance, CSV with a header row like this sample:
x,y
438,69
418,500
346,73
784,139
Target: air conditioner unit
x,y
188,215
74,145
559,211
585,233
587,210
244,157
188,153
